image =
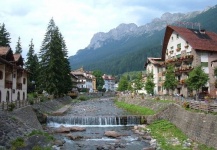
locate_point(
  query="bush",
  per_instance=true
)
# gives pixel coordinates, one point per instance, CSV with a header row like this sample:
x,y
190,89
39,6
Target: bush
x,y
31,102
82,98
17,143
186,105
11,106
157,98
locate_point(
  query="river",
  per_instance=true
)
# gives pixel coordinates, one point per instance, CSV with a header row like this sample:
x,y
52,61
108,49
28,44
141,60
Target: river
x,y
98,116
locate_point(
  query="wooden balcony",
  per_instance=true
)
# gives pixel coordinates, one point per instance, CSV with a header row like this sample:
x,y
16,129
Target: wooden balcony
x,y
8,84
19,86
183,69
179,60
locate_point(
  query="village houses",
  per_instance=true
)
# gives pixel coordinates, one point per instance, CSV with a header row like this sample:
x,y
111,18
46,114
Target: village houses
x,y
109,82
13,77
185,48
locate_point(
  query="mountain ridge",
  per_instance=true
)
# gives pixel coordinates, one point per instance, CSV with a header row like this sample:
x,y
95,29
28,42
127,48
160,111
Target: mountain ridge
x,y
126,47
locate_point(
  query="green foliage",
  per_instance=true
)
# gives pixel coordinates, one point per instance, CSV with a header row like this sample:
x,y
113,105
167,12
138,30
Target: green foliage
x,y
4,36
149,84
138,82
11,106
135,109
38,132
54,67
82,98
99,80
197,78
123,84
170,79
32,65
17,143
18,48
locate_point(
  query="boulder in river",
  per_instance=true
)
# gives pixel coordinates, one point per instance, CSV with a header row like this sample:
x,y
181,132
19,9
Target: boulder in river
x,y
62,129
74,137
113,134
74,129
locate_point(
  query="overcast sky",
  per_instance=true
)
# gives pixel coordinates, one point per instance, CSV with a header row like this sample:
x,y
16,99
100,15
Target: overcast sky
x,y
79,20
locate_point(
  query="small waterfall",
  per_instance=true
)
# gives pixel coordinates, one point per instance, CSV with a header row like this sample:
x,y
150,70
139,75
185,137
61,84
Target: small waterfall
x,y
94,120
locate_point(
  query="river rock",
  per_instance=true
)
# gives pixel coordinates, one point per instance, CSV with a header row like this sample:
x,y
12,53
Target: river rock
x,y
59,142
75,129
113,134
62,129
74,137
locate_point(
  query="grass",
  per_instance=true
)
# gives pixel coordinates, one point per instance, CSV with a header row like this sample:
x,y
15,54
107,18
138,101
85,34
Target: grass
x,y
163,131
17,143
138,110
38,132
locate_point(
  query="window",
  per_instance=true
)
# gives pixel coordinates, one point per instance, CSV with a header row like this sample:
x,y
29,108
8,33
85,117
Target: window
x,y
204,64
178,56
179,45
1,75
14,75
177,36
7,96
171,47
24,80
18,96
24,96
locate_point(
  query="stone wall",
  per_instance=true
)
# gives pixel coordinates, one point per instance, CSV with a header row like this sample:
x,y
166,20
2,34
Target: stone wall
x,y
197,126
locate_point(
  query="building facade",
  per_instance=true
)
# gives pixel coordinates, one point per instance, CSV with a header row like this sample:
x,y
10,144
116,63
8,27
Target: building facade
x,y
185,49
109,82
84,80
13,77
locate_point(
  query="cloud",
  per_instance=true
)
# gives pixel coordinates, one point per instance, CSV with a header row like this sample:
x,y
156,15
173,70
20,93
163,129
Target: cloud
x,y
79,20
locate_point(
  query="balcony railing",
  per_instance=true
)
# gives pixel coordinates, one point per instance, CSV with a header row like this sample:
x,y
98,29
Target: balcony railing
x,y
8,84
183,69
180,59
19,86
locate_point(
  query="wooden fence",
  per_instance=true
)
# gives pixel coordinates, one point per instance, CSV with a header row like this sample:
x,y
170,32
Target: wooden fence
x,y
17,104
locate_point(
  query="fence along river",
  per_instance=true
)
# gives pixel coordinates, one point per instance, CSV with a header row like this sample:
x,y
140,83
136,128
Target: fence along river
x,y
98,116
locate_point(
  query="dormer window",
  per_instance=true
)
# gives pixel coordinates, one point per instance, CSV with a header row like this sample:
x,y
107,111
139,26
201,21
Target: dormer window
x,y
172,38
171,47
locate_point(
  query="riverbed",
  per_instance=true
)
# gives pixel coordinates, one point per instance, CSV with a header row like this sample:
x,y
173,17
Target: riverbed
x,y
97,116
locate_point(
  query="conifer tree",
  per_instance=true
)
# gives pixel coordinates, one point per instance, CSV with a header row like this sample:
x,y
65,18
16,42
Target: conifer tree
x,y
4,36
149,84
32,66
18,49
54,68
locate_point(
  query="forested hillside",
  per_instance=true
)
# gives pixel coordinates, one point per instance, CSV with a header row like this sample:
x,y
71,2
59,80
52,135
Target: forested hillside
x,y
130,53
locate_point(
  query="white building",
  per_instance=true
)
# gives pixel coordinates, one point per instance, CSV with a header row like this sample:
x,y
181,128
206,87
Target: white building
x,y
109,82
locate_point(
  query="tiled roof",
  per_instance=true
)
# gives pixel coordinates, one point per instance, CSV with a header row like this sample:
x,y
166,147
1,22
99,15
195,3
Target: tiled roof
x,y
4,50
108,77
204,41
155,61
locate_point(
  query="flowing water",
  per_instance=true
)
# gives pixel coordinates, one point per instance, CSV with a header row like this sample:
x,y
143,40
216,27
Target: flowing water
x,y
98,116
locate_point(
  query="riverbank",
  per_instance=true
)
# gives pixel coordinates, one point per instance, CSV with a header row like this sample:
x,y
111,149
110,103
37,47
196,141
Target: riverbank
x,y
198,126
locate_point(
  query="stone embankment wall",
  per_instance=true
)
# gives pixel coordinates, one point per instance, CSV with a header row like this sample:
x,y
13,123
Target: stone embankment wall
x,y
197,126
24,120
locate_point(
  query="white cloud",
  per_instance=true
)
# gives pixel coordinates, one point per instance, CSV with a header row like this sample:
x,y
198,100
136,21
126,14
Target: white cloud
x,y
79,20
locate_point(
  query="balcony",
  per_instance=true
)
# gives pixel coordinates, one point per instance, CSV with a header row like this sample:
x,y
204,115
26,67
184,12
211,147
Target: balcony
x,y
183,69
179,60
8,84
19,86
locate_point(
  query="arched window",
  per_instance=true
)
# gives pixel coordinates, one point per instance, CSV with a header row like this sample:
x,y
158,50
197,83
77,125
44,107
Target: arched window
x,y
18,96
23,95
7,96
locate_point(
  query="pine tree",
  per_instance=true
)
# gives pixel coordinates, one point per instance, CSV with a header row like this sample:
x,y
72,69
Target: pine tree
x,y
32,66
138,82
99,80
54,68
18,49
123,84
4,36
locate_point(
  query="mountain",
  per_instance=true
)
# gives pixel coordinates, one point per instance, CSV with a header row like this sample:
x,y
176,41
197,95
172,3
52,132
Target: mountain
x,y
126,47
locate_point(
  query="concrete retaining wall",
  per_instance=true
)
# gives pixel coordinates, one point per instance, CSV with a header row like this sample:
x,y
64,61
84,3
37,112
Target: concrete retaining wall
x,y
197,126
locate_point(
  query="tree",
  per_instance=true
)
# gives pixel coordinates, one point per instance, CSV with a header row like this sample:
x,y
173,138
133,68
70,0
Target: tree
x,y
123,84
170,79
138,82
54,67
32,66
99,80
149,84
18,49
4,36
197,79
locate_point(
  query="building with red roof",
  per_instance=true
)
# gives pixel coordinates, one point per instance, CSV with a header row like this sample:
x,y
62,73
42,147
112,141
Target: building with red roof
x,y
13,77
187,48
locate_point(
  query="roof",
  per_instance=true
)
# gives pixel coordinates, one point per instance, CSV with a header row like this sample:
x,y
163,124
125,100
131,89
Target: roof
x,y
155,61
108,77
199,40
4,50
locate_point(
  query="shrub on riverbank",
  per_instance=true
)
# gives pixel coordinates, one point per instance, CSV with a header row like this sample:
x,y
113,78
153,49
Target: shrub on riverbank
x,y
170,137
135,109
